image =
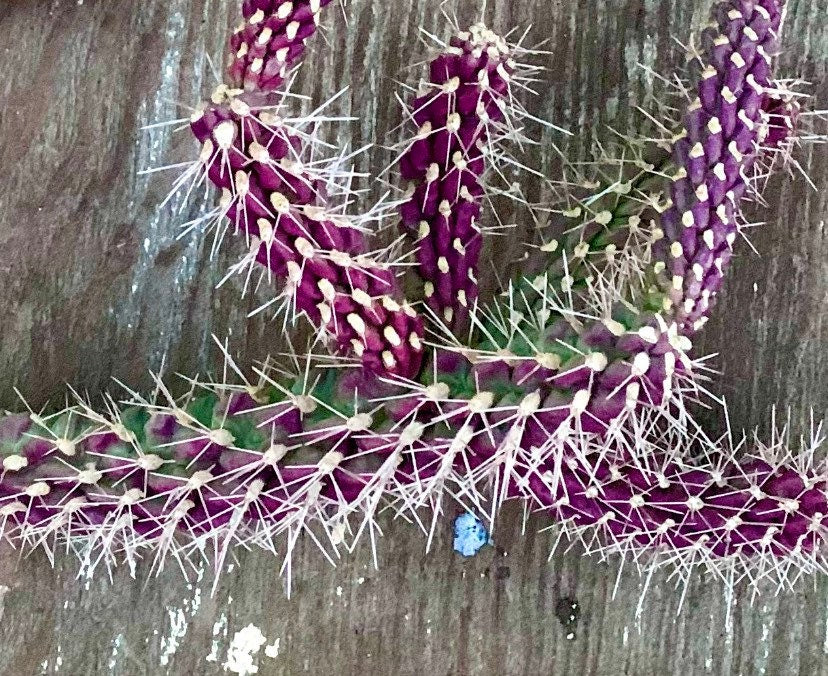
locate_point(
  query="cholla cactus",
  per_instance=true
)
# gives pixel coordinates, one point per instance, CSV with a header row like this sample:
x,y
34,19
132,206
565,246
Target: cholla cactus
x,y
330,276
454,114
570,394
260,464
464,117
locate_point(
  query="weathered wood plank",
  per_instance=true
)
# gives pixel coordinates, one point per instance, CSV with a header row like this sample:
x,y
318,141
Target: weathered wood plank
x,y
95,284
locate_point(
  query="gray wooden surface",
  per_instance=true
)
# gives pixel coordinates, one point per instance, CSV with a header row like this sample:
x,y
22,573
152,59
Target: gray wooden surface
x,y
93,284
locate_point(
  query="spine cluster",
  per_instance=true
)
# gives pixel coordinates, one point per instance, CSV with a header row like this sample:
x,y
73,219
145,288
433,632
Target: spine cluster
x,y
760,512
455,114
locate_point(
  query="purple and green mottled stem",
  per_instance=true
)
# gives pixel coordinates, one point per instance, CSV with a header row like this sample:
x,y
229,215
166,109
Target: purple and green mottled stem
x,y
618,214
245,465
576,416
719,145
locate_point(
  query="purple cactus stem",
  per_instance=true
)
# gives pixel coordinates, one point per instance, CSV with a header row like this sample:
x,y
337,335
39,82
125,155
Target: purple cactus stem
x,y
748,509
256,161
323,259
174,475
444,165
723,129
270,40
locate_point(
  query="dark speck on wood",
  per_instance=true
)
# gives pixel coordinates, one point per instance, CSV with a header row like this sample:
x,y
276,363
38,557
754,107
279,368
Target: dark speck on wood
x,y
568,612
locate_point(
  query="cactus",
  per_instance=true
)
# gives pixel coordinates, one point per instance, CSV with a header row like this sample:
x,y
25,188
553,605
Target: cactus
x,y
719,144
329,274
257,161
463,120
253,465
571,392
456,115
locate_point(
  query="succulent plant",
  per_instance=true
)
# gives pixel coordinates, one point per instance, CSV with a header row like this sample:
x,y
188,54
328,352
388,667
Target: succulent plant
x,y
571,391
270,40
458,116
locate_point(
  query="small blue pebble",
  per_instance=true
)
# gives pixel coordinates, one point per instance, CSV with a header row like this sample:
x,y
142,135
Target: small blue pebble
x,y
470,535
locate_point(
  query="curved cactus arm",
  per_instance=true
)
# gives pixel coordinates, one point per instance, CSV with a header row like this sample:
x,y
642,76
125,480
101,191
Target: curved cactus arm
x,y
615,204
613,214
330,275
279,196
190,478
758,518
719,145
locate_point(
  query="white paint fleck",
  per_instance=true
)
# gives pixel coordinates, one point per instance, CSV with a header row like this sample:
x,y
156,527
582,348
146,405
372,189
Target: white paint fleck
x,y
272,650
178,621
219,627
339,591
3,591
117,642
195,602
243,649
178,629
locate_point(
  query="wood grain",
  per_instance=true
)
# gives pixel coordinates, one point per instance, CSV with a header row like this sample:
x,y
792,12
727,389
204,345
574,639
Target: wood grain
x,y
95,284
